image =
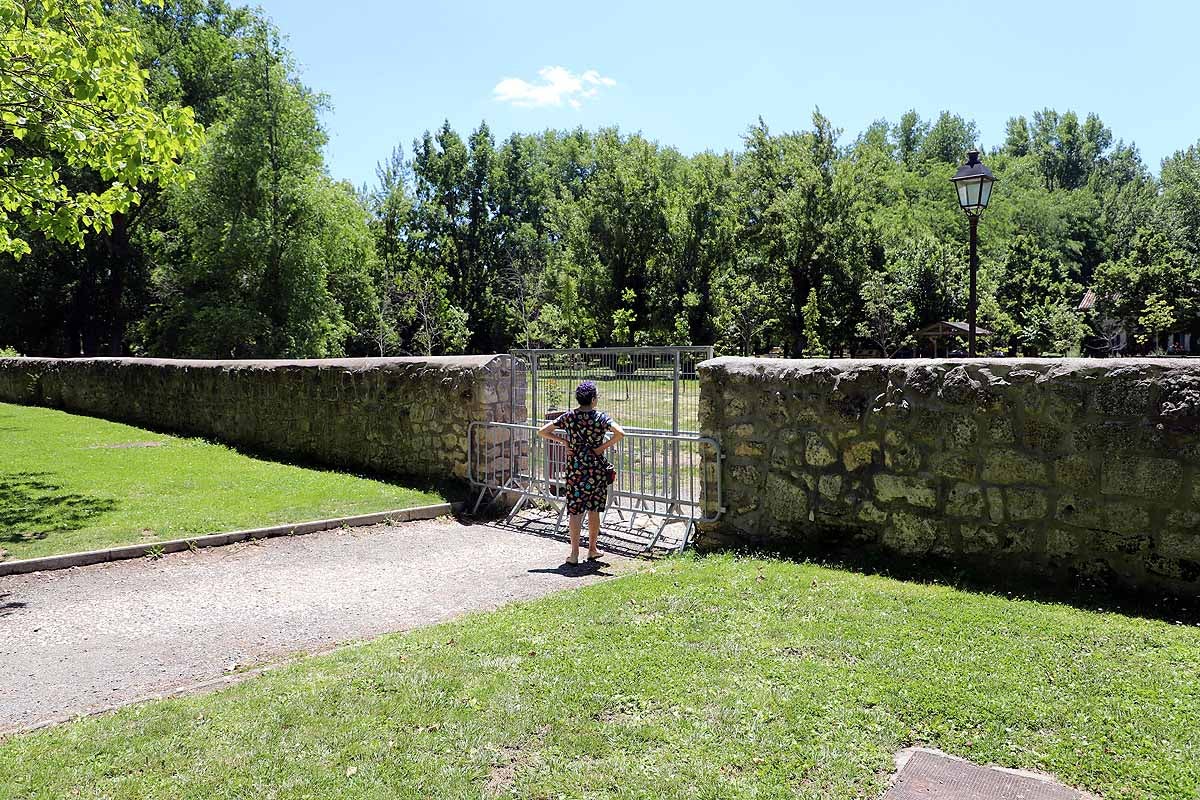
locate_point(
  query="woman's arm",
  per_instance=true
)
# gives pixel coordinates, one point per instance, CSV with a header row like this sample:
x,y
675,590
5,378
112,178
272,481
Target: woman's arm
x,y
547,432
617,435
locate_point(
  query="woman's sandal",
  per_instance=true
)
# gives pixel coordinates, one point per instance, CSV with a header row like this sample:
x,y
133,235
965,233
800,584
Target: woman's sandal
x,y
594,556
572,561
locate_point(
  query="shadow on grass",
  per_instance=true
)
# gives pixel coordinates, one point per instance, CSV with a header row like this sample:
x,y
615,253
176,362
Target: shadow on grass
x,y
452,490
1061,588
33,507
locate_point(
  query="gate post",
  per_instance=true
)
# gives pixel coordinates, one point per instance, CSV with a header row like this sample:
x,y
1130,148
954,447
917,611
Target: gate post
x,y
512,389
675,398
675,432
533,382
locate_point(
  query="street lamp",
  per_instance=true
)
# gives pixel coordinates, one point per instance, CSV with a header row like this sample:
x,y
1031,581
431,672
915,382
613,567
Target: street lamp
x,y
974,184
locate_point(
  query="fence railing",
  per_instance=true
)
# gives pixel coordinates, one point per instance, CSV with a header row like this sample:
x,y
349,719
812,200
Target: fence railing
x,y
665,476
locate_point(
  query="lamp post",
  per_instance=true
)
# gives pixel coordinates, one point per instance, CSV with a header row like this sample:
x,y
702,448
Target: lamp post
x,y
974,184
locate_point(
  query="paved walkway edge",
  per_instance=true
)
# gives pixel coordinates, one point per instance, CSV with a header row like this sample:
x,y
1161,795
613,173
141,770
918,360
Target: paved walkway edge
x,y
197,687
68,560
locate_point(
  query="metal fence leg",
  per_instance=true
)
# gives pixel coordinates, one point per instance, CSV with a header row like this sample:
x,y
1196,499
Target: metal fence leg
x,y
558,522
478,500
687,535
516,508
657,534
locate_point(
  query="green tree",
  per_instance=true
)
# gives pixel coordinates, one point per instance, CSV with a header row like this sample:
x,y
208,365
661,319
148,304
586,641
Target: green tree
x,y
910,135
1044,146
1127,196
748,311
814,347
888,313
1051,328
1157,318
624,319
789,212
1016,136
1181,196
552,328
682,335
1037,290
625,208
701,239
934,277
438,326
454,228
1065,151
345,247
189,50
1133,289
72,92
68,300
266,250
391,209
948,139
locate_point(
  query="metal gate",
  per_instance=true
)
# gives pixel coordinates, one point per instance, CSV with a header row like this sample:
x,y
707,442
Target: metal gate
x,y
668,475
643,388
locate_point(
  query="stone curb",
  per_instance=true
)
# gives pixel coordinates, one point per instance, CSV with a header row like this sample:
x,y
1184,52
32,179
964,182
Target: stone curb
x,y
89,557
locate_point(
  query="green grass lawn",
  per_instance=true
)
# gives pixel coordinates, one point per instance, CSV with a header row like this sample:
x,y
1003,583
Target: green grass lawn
x,y
71,483
695,678
641,403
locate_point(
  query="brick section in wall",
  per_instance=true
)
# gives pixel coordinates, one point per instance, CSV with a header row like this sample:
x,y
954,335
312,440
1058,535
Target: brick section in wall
x,y
1072,468
399,416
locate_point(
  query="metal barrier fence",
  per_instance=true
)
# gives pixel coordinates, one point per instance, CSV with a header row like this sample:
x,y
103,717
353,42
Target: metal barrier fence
x,y
666,478
643,388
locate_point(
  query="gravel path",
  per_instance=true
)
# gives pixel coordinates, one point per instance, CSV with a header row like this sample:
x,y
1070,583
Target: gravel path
x,y
83,639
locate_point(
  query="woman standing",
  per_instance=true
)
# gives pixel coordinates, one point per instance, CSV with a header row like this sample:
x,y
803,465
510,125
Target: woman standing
x,y
587,468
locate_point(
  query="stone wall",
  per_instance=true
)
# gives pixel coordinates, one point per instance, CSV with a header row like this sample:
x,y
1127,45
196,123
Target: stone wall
x,y
401,416
1073,468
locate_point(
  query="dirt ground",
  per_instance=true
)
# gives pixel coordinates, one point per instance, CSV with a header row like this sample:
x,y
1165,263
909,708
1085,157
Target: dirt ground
x,y
81,640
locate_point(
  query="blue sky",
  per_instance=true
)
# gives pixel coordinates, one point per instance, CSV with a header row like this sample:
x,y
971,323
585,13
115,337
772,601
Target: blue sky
x,y
696,74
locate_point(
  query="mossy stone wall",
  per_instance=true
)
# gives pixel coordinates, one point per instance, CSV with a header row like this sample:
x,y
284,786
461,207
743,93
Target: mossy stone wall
x,y
401,416
1076,468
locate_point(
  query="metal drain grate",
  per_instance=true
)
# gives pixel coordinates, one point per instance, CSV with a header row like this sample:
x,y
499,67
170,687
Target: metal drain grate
x,y
932,776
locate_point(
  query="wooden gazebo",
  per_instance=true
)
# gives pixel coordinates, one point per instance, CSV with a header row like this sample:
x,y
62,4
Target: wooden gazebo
x,y
948,331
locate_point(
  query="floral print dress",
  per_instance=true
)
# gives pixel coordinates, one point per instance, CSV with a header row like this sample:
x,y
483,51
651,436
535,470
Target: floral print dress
x,y
587,473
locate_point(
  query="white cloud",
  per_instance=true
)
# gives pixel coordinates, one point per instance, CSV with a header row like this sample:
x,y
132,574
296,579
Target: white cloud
x,y
591,76
558,85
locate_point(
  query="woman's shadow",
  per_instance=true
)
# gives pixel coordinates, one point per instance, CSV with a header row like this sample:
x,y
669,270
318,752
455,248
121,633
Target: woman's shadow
x,y
581,570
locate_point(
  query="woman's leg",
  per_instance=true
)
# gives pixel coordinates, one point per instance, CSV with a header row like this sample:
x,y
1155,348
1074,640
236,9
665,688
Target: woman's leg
x,y
593,534
574,523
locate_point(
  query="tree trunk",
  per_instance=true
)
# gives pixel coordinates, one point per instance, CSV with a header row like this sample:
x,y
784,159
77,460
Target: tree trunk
x,y
119,253
801,286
